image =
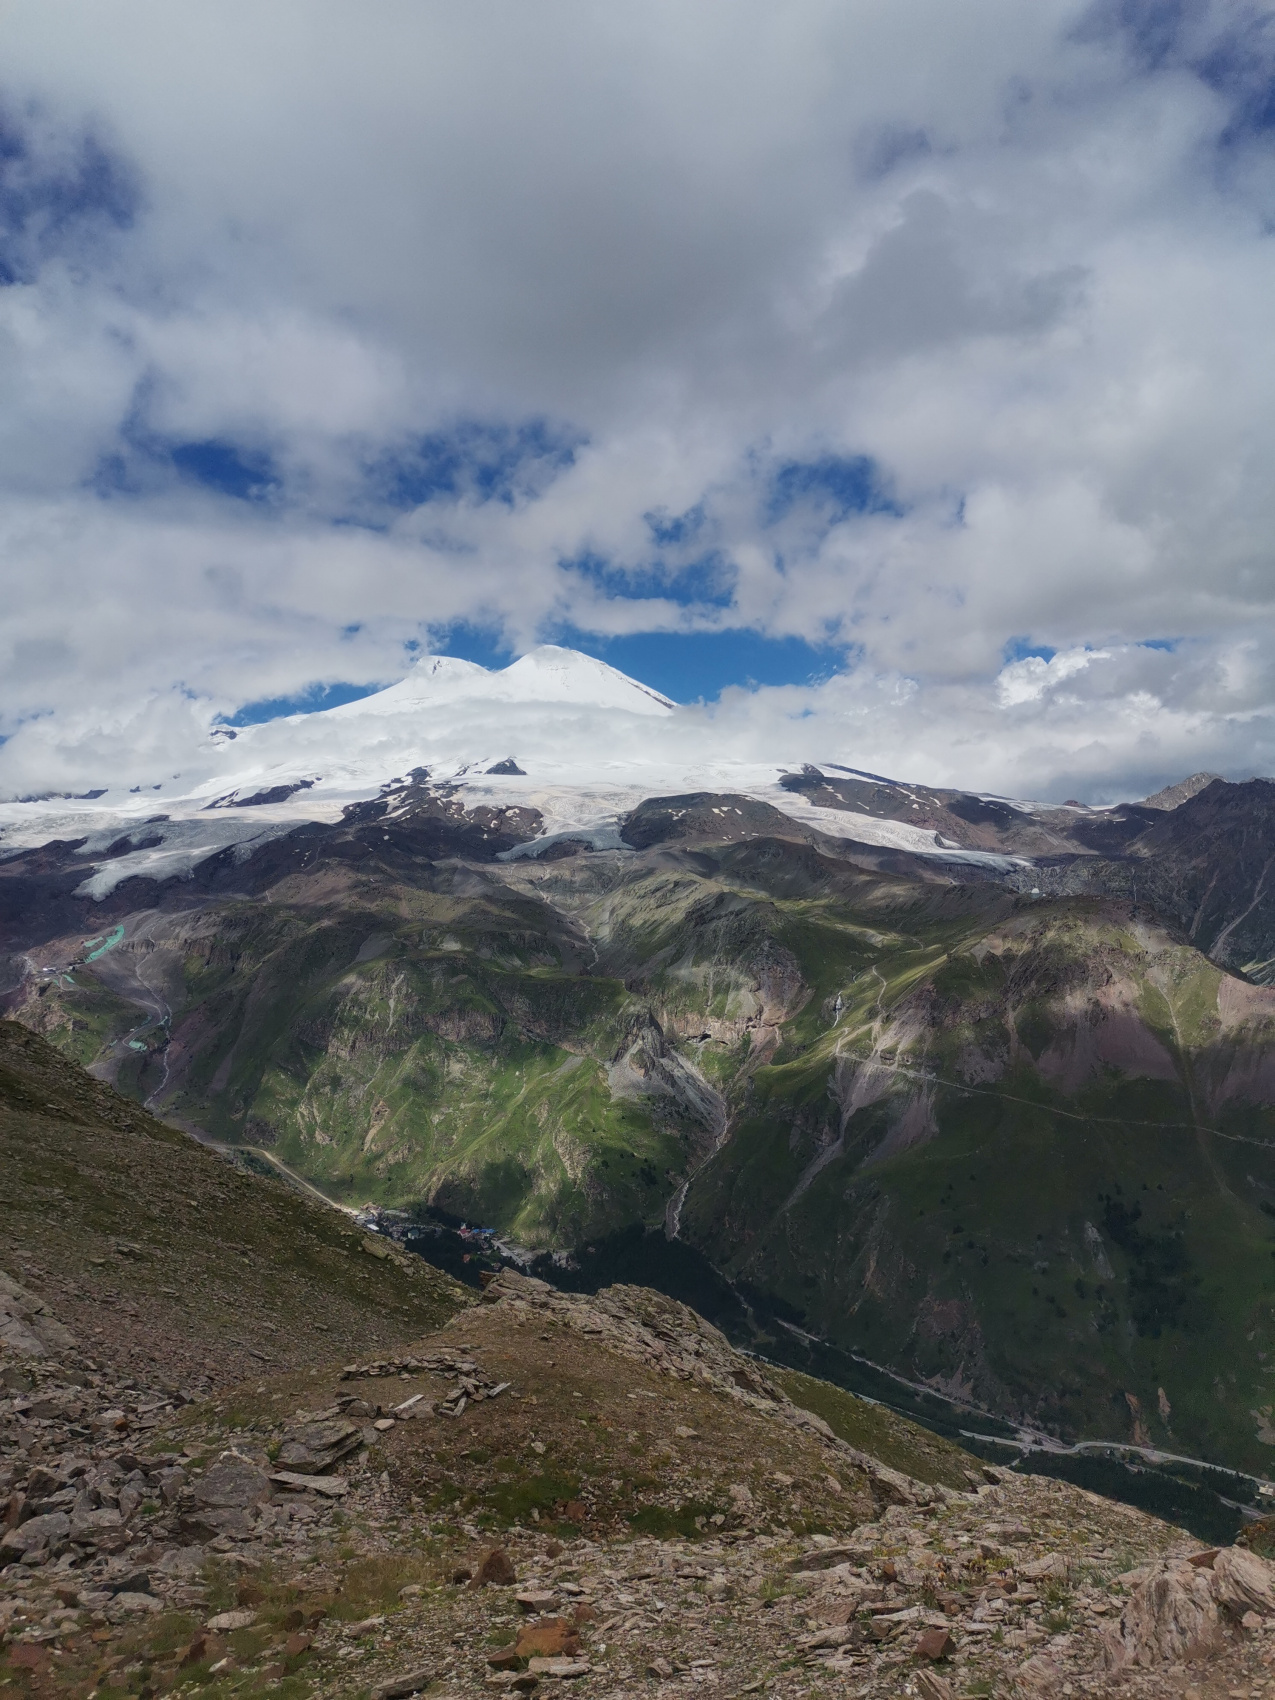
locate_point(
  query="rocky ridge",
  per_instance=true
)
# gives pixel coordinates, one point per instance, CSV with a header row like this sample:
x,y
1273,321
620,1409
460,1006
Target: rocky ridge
x,y
155,1545
672,1339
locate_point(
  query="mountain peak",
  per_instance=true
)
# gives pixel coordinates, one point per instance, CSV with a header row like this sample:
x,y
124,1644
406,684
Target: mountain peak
x,y
1172,796
552,673
547,674
433,678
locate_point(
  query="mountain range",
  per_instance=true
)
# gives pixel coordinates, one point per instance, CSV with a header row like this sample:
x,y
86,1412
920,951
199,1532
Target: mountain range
x,y
978,1088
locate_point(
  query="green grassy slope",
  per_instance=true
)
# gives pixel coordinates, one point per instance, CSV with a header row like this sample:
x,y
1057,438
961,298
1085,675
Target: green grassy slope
x,y
425,1041
151,1246
1033,1165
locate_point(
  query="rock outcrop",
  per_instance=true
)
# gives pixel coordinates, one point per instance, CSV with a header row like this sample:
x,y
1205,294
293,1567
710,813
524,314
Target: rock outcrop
x,y
27,1327
1181,1608
674,1340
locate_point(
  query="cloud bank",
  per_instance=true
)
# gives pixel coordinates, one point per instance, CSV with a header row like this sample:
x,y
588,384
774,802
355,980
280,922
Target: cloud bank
x,y
935,338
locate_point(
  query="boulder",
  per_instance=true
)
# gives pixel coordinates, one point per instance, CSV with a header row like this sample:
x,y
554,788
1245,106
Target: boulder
x,y
839,1635
226,1622
931,1686
829,1557
171,1481
311,1449
536,1600
548,1638
88,1527
1039,1677
563,1668
1243,1582
123,1606
211,1523
496,1570
36,1534
60,1404
232,1483
124,1578
1170,1616
331,1487
27,1328
935,1644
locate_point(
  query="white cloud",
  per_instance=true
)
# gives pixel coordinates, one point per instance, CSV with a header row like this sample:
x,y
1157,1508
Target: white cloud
x,y
1029,679
1009,253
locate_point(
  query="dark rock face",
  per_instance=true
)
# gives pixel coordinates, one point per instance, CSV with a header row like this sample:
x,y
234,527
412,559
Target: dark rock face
x,y
960,818
704,815
1172,795
396,837
1205,865
1109,833
274,794
1210,866
423,822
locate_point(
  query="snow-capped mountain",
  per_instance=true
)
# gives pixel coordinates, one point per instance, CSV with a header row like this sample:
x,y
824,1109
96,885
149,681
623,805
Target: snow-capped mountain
x,y
557,731
545,675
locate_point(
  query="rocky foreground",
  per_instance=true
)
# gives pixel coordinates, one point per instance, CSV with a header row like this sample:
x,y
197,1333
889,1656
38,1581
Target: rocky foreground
x,y
548,1490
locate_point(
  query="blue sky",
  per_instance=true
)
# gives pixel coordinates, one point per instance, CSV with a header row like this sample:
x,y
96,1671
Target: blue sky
x,y
908,360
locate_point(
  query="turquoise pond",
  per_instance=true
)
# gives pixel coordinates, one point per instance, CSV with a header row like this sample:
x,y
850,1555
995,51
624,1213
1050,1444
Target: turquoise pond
x,y
103,944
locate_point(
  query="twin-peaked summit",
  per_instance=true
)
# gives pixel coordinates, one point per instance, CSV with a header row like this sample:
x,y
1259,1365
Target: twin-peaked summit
x,y
549,674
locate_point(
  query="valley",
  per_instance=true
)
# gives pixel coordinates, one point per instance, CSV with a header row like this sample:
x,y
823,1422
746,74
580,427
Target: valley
x,y
248,1450
1018,1147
